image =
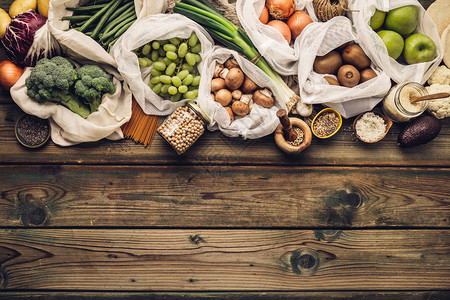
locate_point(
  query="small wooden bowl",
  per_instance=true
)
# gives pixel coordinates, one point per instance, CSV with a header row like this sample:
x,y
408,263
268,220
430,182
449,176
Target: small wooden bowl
x,y
322,112
387,121
22,140
288,148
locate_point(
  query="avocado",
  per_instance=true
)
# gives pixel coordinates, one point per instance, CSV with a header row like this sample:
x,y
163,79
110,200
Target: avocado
x,y
419,131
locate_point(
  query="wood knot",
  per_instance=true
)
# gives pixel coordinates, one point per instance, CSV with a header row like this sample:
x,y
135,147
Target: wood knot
x,y
327,235
2,278
34,215
340,207
196,239
305,262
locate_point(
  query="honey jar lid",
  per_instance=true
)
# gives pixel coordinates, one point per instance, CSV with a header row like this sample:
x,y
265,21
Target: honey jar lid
x,y
199,111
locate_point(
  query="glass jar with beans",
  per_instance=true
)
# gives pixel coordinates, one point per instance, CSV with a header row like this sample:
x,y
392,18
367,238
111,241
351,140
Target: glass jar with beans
x,y
184,126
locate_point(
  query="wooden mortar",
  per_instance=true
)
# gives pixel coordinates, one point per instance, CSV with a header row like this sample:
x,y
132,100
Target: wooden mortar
x,y
280,137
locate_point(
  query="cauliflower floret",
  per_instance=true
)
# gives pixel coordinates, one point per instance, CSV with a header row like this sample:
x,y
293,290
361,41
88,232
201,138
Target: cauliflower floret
x,y
440,76
440,108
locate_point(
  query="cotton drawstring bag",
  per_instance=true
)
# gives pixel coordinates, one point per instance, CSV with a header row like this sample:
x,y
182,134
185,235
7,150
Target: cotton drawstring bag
x,y
362,11
68,128
80,46
150,28
260,122
270,43
321,38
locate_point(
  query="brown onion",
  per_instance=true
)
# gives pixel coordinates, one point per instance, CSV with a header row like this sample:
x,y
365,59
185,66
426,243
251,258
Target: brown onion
x,y
282,28
297,22
9,74
280,9
264,17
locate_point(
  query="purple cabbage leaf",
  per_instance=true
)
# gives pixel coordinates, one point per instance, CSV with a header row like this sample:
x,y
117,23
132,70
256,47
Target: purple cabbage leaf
x,y
28,39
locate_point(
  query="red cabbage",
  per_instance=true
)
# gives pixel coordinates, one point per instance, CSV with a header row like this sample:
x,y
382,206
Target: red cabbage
x,y
28,39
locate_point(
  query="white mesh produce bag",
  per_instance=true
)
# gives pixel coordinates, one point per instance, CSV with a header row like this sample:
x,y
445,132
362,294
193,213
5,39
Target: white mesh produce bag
x,y
319,39
260,122
80,46
155,27
68,128
362,11
269,42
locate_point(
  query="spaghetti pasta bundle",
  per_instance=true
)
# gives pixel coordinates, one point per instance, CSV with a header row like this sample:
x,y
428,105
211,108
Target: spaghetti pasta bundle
x,y
141,128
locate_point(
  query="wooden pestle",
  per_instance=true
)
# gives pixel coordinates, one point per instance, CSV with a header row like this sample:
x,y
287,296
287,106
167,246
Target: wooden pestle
x,y
289,133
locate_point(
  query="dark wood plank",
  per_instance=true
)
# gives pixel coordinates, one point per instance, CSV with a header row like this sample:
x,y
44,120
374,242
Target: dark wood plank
x,y
235,196
215,148
322,295
223,260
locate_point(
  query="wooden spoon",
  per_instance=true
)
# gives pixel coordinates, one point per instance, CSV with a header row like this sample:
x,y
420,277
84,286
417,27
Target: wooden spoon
x,y
289,132
429,97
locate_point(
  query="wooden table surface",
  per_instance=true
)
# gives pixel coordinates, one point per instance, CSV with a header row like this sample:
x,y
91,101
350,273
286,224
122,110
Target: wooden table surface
x,y
232,218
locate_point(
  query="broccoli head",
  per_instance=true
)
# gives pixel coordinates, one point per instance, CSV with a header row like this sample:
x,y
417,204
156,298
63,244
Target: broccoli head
x,y
52,80
92,83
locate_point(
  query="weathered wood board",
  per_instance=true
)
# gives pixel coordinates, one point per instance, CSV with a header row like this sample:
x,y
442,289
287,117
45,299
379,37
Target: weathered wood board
x,y
218,260
234,196
216,149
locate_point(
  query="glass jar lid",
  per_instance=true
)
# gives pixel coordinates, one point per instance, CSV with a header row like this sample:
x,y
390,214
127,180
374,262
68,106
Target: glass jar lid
x,y
198,111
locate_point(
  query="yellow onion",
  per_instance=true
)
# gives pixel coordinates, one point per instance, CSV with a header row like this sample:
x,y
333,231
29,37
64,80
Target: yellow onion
x,y
282,28
9,74
280,9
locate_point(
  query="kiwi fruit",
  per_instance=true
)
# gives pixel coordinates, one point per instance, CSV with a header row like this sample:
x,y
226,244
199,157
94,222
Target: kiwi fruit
x,y
366,75
354,55
348,76
343,46
331,80
328,64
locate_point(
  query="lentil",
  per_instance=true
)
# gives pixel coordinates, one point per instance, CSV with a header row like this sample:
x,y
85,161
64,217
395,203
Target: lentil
x,y
326,123
182,128
299,138
33,130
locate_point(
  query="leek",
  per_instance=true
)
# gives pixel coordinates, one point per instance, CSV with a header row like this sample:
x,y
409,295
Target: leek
x,y
231,36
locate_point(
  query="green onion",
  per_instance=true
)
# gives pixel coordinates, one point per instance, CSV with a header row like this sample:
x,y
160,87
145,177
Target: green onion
x,y
231,36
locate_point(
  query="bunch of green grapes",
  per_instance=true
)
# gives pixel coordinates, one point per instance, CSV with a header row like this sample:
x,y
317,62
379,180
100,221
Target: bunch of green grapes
x,y
174,73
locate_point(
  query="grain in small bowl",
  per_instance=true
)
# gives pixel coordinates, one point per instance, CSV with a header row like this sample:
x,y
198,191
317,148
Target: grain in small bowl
x,y
326,123
31,131
371,126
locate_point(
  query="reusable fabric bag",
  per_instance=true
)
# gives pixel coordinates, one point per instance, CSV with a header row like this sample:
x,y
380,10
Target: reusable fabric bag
x,y
68,128
362,11
260,122
270,43
80,46
317,40
155,27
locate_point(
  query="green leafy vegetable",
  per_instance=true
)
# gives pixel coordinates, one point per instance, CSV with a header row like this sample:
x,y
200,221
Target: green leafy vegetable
x,y
231,36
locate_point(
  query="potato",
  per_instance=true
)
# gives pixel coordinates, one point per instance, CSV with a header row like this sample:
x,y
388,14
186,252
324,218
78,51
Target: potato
x,y
19,6
4,22
42,6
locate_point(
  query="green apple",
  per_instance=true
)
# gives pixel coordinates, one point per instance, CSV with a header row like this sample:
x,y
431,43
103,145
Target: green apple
x,y
419,48
393,41
377,20
402,20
